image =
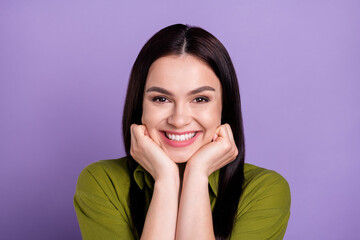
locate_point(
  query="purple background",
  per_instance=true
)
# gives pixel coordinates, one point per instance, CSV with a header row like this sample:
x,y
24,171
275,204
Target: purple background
x,y
64,68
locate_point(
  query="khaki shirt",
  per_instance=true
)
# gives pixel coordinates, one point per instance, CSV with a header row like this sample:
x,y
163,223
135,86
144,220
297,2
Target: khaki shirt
x,y
102,201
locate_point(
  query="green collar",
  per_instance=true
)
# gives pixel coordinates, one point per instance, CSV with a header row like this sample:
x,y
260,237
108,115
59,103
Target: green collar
x,y
141,177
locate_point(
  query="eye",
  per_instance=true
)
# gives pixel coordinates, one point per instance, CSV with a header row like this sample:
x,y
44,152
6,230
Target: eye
x,y
201,99
160,99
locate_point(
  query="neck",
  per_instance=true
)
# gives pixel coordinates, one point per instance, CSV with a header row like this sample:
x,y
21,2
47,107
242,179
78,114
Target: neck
x,y
181,167
181,175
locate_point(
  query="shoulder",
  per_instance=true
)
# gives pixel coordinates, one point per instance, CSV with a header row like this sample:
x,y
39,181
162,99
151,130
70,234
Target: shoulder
x,y
264,206
106,176
258,177
108,167
101,200
265,186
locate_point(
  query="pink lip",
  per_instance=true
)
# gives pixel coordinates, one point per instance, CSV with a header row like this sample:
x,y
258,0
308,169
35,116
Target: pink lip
x,y
179,143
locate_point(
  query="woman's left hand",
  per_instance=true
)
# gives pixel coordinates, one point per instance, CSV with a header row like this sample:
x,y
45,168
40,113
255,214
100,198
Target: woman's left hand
x,y
194,217
216,154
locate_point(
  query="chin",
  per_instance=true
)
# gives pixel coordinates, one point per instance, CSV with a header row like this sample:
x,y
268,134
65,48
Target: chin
x,y
179,158
184,160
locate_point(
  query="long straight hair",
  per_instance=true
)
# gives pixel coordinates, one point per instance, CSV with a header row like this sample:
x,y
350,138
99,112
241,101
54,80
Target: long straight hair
x,y
181,39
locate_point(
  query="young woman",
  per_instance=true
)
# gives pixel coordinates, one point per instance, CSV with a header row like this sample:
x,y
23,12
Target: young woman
x,y
184,175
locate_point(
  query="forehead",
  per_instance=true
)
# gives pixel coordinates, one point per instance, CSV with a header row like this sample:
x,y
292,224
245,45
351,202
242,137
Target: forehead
x,y
185,71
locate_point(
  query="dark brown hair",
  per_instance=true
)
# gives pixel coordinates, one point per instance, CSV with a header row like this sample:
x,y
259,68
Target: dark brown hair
x,y
176,40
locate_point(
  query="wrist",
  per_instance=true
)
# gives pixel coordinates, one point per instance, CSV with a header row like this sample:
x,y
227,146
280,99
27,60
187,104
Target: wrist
x,y
169,172
196,168
197,173
170,181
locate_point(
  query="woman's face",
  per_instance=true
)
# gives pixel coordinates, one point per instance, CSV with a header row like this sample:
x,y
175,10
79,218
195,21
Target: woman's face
x,y
182,105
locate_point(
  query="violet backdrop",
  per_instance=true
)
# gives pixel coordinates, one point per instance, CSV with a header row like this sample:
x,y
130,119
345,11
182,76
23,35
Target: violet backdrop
x,y
64,68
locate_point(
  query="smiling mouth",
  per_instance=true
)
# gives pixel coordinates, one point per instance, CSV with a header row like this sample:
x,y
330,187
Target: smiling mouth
x,y
180,137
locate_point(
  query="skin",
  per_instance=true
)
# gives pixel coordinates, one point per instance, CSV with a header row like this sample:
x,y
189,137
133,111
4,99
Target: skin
x,y
182,95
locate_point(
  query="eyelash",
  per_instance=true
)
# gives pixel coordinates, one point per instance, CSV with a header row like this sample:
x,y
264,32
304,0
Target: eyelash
x,y
202,100
162,99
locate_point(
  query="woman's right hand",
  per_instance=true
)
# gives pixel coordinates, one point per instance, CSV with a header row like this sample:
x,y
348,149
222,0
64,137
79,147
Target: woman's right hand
x,y
150,156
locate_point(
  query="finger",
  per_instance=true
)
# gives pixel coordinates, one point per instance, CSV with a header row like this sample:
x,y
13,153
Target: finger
x,y
223,132
138,130
219,136
226,133
229,131
217,130
232,140
215,137
132,132
145,135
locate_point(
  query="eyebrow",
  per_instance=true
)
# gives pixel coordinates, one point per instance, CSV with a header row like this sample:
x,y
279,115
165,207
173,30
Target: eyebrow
x,y
195,91
202,89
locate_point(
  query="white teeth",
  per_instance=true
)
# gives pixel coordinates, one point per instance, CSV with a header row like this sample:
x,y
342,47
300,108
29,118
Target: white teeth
x,y
183,137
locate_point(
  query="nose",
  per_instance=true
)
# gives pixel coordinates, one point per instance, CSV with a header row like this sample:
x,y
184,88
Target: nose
x,y
180,116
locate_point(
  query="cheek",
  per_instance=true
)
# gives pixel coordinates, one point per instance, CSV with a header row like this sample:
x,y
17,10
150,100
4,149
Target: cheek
x,y
147,114
211,118
151,118
148,117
